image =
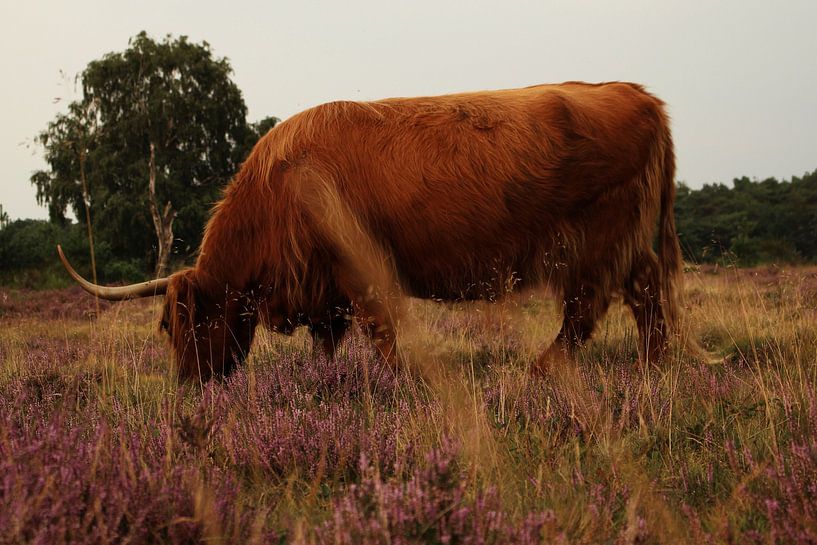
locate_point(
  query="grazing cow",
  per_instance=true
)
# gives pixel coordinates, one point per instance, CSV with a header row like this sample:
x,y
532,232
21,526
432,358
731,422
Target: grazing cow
x,y
459,195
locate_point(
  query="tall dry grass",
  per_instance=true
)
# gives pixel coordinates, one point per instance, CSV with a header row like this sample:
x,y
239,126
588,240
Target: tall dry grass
x,y
98,444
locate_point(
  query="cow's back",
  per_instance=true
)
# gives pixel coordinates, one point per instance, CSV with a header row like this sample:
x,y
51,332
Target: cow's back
x,y
466,190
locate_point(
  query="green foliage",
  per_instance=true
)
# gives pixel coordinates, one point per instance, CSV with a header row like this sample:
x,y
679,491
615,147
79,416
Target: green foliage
x,y
752,222
28,255
31,243
265,125
174,94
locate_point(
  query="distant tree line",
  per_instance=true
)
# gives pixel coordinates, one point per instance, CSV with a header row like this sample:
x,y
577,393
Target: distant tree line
x,y
752,222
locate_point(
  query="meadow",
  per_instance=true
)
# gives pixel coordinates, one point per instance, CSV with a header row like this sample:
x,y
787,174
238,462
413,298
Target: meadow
x,y
98,443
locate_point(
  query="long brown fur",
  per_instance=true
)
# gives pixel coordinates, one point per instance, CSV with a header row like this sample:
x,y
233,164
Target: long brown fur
x,y
460,196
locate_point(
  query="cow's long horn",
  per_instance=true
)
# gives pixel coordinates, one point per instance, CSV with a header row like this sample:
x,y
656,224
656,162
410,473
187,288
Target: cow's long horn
x,y
119,293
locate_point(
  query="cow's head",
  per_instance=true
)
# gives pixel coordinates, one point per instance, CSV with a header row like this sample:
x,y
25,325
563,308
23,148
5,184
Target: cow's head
x,y
210,326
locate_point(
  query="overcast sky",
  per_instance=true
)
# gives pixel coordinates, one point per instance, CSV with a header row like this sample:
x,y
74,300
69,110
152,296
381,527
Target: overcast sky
x,y
740,77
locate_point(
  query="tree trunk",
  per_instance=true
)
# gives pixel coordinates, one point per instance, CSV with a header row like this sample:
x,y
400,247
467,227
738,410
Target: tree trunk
x,y
86,199
163,223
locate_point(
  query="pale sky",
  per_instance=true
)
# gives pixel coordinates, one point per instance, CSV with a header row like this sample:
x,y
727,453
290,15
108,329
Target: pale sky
x,y
740,77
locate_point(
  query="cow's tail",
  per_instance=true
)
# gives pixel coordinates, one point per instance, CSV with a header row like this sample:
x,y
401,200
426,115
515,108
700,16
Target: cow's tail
x,y
669,248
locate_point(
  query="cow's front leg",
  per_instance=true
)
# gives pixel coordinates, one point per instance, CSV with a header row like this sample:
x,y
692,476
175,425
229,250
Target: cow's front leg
x,y
379,327
329,333
376,303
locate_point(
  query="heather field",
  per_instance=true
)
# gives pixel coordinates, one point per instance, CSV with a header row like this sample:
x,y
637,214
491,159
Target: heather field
x,y
98,444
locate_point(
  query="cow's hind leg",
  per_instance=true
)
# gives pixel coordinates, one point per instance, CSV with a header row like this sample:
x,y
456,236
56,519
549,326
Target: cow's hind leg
x,y
584,306
642,293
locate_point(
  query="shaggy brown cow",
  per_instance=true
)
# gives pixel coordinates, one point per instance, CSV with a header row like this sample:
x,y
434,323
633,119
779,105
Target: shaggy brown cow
x,y
462,195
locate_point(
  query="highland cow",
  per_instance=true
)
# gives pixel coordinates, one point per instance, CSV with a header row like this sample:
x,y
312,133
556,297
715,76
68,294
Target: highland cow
x,y
456,197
